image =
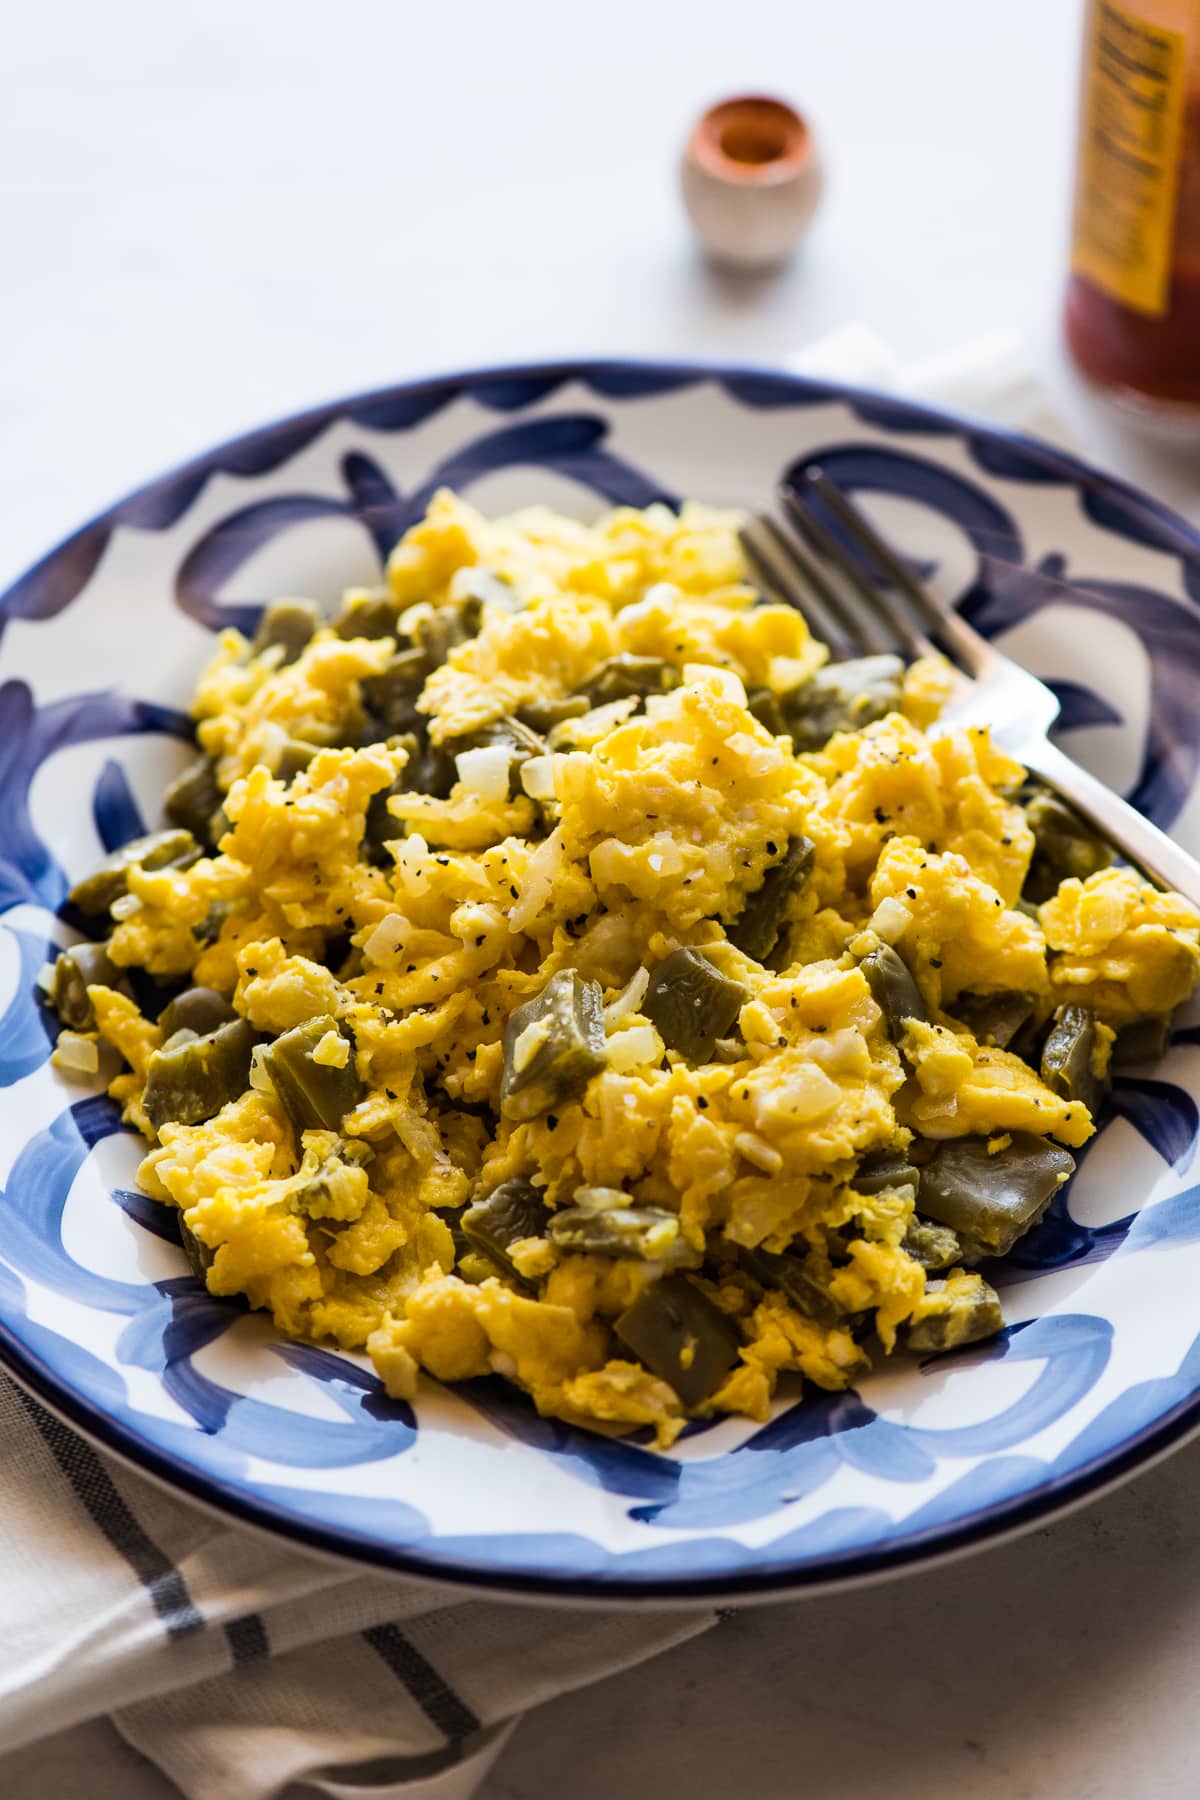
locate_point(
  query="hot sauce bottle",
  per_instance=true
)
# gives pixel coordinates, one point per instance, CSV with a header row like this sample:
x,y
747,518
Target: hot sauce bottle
x,y
1133,301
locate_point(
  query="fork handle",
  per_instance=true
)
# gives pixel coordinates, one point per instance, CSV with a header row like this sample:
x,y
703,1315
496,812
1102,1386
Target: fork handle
x,y
1150,849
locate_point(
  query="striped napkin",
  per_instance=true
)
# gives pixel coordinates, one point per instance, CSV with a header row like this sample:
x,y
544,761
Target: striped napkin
x,y
245,1668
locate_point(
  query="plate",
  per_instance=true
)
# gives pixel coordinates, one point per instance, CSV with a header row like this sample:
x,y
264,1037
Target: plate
x,y
1090,583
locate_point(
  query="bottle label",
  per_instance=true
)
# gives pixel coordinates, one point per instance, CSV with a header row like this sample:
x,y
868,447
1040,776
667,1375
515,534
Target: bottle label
x,y
1130,130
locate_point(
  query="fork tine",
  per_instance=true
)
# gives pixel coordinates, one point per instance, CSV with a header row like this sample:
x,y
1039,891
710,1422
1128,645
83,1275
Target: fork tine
x,y
845,627
858,627
807,520
800,580
794,552
956,634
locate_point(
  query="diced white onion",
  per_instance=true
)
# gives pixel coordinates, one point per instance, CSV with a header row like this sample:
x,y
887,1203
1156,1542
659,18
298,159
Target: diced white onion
x,y
124,906
411,853
890,920
537,777
417,614
484,772
79,1054
842,1052
805,1094
940,1117
45,978
591,726
260,1081
472,921
628,1000
540,877
633,1048
387,938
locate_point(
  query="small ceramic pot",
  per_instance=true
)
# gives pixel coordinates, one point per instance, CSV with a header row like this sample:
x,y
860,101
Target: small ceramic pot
x,y
751,178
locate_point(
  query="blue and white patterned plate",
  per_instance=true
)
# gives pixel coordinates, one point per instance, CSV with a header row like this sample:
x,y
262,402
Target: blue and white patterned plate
x,y
1099,1367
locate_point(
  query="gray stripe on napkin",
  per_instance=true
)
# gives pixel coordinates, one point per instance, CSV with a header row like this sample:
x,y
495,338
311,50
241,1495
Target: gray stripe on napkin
x,y
94,1489
247,1639
432,1693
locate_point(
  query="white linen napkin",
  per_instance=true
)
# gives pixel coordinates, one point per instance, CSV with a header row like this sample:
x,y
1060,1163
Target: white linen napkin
x,y
240,1665
989,376
243,1667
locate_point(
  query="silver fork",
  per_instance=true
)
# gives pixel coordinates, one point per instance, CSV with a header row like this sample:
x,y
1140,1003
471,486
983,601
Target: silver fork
x,y
872,602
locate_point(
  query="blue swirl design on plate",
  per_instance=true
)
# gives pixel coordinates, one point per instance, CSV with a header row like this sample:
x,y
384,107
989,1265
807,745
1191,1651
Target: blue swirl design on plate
x,y
571,446
29,734
1006,596
27,1033
115,811
677,1518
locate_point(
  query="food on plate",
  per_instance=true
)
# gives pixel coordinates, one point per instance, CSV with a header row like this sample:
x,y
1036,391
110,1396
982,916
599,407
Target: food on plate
x,y
554,967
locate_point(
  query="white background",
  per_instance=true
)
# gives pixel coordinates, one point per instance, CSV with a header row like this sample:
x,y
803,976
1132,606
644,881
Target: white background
x,y
214,214
211,214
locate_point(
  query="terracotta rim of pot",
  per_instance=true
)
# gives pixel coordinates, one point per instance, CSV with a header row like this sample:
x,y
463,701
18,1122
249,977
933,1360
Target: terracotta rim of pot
x,y
751,139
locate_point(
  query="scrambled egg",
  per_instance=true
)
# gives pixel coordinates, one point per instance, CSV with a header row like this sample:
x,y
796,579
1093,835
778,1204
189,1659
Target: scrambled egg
x,y
457,1120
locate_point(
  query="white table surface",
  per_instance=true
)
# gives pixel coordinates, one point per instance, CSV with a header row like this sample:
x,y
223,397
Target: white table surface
x,y
211,215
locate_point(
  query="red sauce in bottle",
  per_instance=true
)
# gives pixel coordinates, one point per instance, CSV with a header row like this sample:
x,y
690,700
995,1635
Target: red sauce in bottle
x,y
1133,301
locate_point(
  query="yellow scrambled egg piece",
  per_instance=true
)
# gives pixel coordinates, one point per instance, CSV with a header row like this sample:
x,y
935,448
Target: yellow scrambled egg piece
x,y
577,786
1121,946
